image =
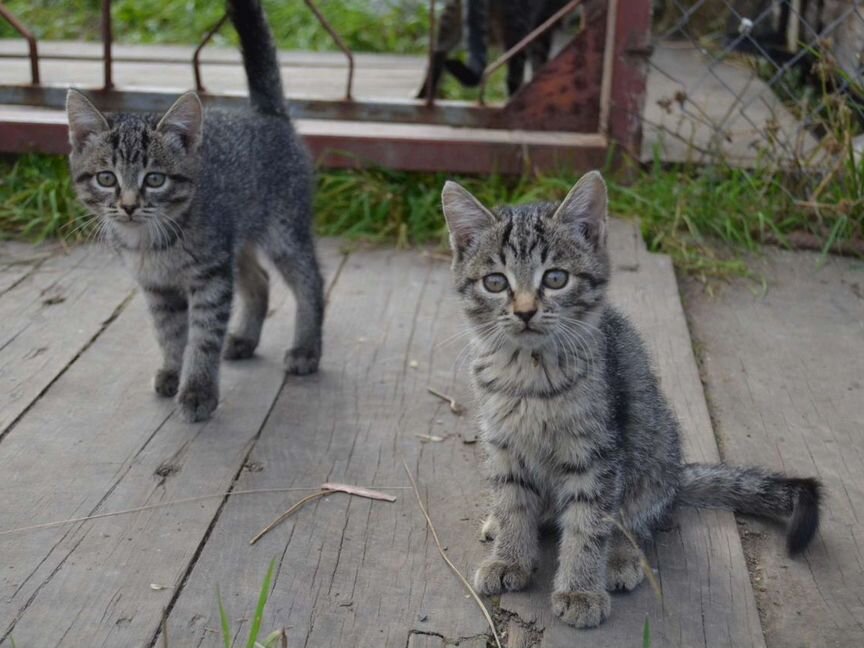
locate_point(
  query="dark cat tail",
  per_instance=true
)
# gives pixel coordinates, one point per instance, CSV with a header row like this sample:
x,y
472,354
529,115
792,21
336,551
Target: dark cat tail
x,y
259,56
465,74
756,491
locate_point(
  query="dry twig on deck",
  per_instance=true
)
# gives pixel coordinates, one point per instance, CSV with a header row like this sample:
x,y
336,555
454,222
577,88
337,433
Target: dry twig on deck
x,y
447,560
185,500
455,407
326,489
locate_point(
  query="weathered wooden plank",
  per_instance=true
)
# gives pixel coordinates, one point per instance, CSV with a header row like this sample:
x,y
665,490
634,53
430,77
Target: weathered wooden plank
x,y
707,598
99,441
49,315
17,260
354,572
785,373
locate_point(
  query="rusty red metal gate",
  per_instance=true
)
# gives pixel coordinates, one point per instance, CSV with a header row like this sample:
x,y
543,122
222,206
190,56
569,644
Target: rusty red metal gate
x,y
587,98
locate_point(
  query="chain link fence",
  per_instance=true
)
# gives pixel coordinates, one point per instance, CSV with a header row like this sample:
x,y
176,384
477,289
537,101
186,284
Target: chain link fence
x,y
757,83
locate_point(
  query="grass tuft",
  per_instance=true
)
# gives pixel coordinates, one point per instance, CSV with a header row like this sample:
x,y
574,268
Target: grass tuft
x,y
294,26
705,219
255,628
37,201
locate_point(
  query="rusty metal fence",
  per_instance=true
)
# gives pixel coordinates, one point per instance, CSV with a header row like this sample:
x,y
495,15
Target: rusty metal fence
x,y
752,82
590,93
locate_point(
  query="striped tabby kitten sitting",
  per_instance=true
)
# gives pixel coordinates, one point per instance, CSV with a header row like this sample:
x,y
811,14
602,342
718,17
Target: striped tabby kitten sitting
x,y
572,419
190,200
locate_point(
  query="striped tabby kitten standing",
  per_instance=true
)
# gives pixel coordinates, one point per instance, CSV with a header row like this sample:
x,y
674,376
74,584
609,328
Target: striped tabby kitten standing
x,y
189,199
573,423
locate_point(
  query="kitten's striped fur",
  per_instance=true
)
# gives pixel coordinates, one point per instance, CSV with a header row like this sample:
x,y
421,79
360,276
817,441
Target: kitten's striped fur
x,y
233,184
575,428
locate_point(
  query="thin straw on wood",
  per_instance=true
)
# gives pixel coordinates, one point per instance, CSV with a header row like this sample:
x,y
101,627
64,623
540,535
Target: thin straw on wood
x,y
447,560
186,500
646,566
326,489
286,514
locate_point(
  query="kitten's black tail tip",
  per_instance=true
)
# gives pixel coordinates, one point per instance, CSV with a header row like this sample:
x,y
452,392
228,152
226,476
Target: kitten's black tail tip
x,y
805,514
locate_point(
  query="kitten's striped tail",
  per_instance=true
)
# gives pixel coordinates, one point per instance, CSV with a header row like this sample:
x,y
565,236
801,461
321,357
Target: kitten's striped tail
x,y
259,56
757,492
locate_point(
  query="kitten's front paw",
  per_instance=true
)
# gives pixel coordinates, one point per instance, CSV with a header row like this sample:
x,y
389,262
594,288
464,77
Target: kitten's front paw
x,y
495,576
237,348
624,573
165,382
197,402
582,609
300,361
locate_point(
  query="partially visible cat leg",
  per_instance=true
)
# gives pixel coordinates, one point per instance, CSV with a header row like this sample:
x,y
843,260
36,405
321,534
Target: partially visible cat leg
x,y
516,509
579,597
170,312
624,564
253,290
210,292
448,36
516,26
298,265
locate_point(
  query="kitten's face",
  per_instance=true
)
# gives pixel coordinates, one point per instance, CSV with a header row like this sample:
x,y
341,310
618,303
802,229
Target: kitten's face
x,y
136,173
530,276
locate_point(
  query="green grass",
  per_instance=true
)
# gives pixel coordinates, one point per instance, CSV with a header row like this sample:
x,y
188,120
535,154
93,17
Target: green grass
x,y
396,27
706,219
294,26
253,641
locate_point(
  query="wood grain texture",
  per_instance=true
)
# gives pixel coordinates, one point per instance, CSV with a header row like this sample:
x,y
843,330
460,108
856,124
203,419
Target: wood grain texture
x,y
707,597
51,310
18,260
351,571
100,440
785,376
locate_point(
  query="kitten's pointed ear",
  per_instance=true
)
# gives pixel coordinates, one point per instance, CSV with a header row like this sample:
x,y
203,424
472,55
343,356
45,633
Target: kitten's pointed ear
x,y
585,208
85,120
183,121
466,216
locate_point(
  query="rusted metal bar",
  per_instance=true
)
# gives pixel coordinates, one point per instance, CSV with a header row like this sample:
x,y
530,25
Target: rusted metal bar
x,y
525,42
430,77
196,57
18,26
106,43
339,43
352,145
608,60
632,47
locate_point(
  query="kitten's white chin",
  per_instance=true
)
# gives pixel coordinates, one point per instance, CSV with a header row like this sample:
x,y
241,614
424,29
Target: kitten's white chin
x,y
130,233
532,340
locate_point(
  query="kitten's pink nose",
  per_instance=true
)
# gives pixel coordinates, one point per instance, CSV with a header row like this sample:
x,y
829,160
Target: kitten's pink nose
x,y
524,306
129,209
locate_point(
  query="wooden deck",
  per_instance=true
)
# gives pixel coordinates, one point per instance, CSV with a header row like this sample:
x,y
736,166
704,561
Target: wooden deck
x,y
785,373
81,433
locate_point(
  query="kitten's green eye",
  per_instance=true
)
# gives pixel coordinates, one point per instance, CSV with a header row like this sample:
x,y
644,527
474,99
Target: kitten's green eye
x,y
106,179
555,279
154,180
495,282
